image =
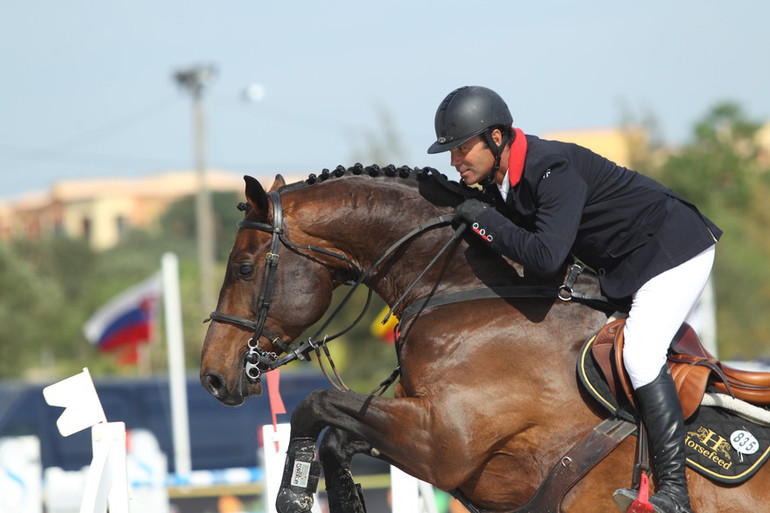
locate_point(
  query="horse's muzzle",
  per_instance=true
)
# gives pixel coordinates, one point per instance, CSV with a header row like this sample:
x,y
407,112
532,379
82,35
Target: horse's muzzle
x,y
234,395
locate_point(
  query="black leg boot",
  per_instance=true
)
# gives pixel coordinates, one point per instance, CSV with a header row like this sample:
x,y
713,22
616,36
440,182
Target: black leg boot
x,y
300,477
662,415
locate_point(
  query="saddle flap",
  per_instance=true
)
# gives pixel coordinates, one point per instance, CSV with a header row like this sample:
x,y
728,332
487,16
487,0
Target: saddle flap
x,y
691,380
603,350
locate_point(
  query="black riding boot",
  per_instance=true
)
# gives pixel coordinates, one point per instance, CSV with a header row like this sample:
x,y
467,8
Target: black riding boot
x,y
662,415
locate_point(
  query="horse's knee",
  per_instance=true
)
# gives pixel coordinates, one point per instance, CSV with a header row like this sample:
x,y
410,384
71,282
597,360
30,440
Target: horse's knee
x,y
341,446
332,445
305,420
309,403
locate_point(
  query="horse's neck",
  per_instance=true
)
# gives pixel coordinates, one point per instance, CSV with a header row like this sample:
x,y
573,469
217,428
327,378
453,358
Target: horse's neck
x,y
367,228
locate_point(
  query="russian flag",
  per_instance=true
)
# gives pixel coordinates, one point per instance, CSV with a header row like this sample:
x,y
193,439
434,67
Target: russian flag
x,y
128,319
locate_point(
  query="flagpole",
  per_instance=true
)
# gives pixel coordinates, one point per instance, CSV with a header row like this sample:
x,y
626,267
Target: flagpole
x,y
143,365
180,427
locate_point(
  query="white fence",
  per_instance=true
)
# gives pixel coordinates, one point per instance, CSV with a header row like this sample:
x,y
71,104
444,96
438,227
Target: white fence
x,y
129,473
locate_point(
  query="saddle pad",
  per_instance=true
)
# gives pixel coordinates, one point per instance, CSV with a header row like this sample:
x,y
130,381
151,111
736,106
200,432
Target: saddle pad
x,y
593,380
719,444
724,447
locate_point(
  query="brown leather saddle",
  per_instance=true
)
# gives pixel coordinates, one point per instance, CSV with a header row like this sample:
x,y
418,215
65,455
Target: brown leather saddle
x,y
694,370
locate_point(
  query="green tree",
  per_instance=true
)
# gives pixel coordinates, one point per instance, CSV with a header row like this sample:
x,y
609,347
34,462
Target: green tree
x,y
80,280
178,223
383,145
29,308
721,171
643,139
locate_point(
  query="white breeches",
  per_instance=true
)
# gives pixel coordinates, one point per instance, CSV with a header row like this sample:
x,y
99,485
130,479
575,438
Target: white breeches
x,y
657,311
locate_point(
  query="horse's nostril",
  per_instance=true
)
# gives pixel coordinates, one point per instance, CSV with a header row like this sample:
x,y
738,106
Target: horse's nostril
x,y
213,383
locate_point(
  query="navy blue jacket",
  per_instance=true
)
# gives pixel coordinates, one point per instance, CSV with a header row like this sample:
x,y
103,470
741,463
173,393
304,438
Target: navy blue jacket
x,y
569,200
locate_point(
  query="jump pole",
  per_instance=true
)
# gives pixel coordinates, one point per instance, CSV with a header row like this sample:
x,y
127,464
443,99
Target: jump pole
x,y
106,479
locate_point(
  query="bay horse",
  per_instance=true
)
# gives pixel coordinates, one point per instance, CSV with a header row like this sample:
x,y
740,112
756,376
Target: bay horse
x,y
488,401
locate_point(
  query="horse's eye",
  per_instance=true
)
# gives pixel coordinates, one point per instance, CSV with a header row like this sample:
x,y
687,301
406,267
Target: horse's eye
x,y
245,270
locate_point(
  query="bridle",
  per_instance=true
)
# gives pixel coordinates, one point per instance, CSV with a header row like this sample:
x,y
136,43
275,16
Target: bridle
x,y
257,358
256,355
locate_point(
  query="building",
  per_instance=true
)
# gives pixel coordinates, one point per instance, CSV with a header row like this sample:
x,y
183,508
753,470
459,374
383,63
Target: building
x,y
103,210
613,143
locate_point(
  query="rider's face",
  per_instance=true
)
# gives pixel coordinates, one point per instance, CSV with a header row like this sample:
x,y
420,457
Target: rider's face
x,y
473,160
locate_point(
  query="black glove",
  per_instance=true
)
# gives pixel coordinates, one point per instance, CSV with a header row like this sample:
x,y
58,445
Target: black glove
x,y
469,210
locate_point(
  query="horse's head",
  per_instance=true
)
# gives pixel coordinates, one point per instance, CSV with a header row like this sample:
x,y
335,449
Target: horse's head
x,y
378,227
258,266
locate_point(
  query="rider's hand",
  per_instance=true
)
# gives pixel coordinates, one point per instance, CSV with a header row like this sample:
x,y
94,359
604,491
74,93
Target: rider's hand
x,y
469,210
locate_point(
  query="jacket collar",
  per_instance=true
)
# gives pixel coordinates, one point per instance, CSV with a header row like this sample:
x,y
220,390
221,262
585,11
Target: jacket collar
x,y
517,157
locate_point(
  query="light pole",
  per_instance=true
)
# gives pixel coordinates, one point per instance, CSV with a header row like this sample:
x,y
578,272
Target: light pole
x,y
195,80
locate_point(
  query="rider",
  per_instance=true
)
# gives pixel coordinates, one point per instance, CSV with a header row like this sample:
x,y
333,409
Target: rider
x,y
550,199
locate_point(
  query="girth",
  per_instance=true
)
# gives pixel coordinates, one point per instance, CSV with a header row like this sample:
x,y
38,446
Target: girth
x,y
571,468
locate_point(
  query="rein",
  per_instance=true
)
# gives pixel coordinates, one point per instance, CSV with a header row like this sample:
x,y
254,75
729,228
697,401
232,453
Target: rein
x,y
256,357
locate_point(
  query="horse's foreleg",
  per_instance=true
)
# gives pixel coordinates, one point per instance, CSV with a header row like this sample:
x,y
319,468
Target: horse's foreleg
x,y
300,476
336,453
365,418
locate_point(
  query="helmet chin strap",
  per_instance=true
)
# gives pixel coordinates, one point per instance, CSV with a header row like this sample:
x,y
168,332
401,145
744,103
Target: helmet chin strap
x,y
497,152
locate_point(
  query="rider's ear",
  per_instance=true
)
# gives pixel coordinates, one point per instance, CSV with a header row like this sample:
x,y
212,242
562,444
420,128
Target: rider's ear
x,y
497,136
257,196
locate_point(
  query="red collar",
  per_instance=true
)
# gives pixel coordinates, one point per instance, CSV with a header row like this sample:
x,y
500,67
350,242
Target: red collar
x,y
517,157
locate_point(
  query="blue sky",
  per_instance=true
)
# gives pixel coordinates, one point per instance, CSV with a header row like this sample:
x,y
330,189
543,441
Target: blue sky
x,y
87,87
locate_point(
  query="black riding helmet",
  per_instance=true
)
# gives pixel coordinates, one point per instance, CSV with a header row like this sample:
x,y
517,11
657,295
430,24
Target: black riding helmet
x,y
470,111
467,112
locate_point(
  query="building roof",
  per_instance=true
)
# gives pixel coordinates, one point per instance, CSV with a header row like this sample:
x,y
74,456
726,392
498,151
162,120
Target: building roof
x,y
612,143
168,184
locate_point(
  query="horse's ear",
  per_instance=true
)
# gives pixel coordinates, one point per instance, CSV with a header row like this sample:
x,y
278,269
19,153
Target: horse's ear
x,y
278,183
257,196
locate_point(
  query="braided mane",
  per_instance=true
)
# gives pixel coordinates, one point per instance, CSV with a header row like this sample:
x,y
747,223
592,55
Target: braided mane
x,y
359,169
